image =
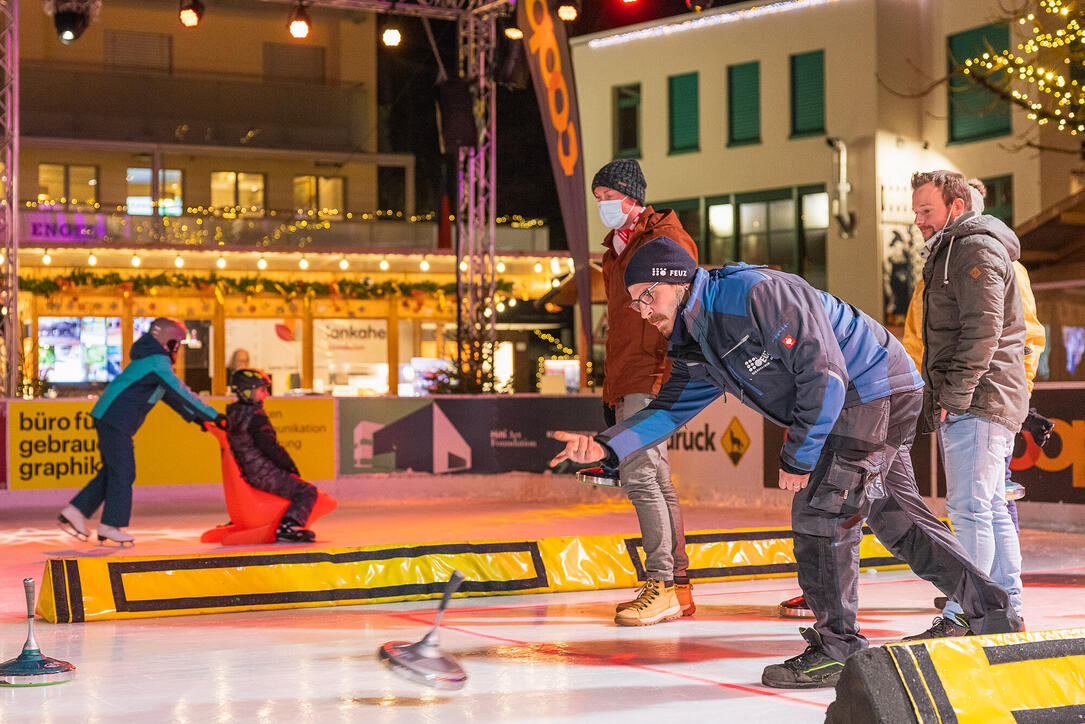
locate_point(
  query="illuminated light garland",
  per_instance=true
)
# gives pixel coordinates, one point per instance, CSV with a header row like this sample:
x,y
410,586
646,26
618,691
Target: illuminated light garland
x,y
1063,98
706,21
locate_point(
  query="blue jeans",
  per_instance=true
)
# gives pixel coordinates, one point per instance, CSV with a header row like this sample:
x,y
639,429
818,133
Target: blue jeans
x,y
974,453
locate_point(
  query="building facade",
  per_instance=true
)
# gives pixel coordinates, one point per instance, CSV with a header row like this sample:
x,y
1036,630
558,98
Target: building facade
x,y
740,117
229,174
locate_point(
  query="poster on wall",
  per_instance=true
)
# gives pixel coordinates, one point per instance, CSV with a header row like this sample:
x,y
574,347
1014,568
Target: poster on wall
x,y
273,345
350,356
902,267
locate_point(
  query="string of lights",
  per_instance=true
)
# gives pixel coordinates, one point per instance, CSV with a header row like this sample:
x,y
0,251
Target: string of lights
x,y
1047,71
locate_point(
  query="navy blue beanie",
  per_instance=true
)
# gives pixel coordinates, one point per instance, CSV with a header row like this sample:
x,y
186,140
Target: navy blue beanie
x,y
660,260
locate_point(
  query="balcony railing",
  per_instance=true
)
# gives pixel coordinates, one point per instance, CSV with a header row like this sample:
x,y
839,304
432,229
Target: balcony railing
x,y
282,232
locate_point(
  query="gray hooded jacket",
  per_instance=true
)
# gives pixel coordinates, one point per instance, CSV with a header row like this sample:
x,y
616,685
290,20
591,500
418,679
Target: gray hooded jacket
x,y
974,325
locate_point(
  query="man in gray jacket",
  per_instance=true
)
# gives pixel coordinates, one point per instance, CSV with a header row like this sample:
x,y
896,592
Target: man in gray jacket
x,y
975,392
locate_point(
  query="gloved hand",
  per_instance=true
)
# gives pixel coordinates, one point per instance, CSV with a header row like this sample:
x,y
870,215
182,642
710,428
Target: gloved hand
x,y
220,422
1038,426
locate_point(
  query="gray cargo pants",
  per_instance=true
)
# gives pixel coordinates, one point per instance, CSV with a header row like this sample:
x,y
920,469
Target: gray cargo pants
x,y
646,479
866,467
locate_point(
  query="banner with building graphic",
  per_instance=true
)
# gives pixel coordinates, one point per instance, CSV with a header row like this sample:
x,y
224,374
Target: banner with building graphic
x,y
547,51
448,434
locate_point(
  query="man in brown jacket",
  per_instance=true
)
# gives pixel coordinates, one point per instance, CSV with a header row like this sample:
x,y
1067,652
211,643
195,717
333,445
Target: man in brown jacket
x,y
636,367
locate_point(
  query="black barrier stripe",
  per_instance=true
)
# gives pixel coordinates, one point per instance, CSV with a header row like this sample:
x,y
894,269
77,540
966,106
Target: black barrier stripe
x,y
325,596
75,590
60,590
1053,579
1051,715
1034,650
913,681
280,559
934,684
118,569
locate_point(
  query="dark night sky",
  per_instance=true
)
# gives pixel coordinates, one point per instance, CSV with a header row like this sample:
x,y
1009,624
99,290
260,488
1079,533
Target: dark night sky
x,y
407,94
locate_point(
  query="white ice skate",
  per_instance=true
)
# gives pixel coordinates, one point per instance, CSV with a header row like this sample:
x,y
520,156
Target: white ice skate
x,y
72,522
108,535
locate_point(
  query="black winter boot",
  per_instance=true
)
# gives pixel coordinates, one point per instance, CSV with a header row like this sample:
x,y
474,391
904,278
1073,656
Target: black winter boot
x,y
291,531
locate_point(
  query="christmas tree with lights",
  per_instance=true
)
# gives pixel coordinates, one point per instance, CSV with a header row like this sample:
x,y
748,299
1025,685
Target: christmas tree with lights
x,y
1046,74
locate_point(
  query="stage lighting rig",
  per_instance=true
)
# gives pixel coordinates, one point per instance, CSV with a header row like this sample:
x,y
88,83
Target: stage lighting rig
x,y
299,22
569,10
190,13
71,17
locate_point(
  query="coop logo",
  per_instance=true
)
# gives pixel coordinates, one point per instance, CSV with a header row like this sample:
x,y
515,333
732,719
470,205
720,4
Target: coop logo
x,y
1068,440
543,44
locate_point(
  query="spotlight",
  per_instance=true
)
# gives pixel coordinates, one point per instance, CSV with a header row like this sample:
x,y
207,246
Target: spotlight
x,y
303,263
70,25
391,37
136,261
92,260
569,10
178,261
261,263
344,264
538,268
500,267
190,13
299,22
46,259
384,265
221,263
423,265
71,17
514,33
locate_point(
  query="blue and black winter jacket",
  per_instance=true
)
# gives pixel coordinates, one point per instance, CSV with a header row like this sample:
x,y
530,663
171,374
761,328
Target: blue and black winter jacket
x,y
795,354
148,378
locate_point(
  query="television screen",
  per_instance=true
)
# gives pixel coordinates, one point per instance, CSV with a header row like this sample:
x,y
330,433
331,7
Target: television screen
x,y
77,350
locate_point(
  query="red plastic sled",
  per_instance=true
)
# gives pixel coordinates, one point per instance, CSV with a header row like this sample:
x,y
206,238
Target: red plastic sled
x,y
254,514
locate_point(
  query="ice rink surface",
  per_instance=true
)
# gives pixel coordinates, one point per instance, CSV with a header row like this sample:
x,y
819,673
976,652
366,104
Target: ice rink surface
x,y
529,658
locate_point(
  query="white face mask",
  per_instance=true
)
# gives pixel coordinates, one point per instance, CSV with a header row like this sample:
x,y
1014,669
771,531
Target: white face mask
x,y
610,211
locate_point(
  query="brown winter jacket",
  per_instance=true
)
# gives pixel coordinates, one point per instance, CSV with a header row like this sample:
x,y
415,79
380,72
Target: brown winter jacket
x,y
974,325
636,352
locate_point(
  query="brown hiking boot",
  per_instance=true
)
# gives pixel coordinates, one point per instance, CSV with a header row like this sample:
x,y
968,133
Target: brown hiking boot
x,y
655,603
684,593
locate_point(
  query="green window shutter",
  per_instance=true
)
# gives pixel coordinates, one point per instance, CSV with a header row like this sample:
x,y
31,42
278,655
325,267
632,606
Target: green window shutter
x,y
684,113
999,201
808,93
976,113
744,103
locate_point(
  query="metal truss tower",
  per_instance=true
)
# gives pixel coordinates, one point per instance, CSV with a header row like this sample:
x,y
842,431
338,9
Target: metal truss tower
x,y
477,173
10,373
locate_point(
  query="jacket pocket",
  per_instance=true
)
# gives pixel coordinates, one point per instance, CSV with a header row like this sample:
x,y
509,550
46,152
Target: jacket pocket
x,y
840,491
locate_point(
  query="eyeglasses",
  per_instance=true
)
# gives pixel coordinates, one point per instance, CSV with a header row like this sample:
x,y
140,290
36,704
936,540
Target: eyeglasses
x,y
646,298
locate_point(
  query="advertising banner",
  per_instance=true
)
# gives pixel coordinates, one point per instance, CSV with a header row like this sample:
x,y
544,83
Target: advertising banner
x,y
719,451
484,434
1055,474
547,51
53,444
